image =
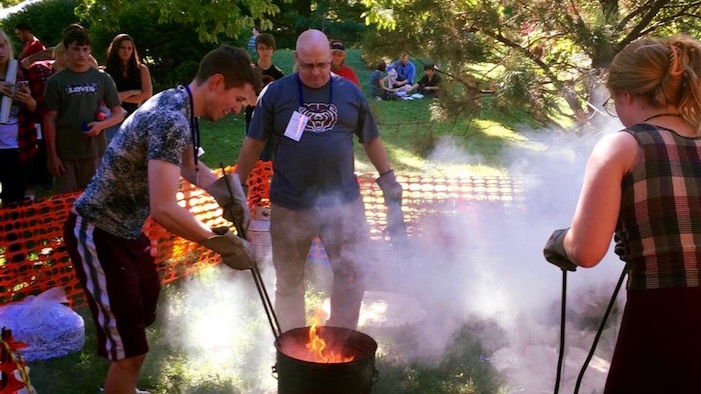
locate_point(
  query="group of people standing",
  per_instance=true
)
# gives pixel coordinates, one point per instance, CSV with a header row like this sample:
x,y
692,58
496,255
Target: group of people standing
x,y
312,117
60,104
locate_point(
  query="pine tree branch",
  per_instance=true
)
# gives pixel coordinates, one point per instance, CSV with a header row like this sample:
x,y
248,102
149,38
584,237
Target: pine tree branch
x,y
644,22
664,21
512,44
624,22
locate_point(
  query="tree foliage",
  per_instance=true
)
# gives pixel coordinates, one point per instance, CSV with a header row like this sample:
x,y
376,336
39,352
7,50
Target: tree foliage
x,y
546,51
337,18
211,18
9,3
47,29
217,19
171,50
173,35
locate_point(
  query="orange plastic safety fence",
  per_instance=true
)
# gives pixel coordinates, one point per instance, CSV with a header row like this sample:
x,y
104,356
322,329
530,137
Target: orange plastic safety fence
x,y
259,184
33,257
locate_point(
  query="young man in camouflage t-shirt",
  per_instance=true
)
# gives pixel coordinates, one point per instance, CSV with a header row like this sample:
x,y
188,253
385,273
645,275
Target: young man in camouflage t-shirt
x,y
139,176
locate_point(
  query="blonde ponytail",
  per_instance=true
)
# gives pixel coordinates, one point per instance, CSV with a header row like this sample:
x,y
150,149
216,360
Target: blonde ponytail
x,y
665,71
686,66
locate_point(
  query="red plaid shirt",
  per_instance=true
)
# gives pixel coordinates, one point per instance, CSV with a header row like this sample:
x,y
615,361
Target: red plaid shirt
x,y
26,133
37,75
660,217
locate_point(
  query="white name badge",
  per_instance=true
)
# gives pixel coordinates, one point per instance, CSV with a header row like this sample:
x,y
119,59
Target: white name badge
x,y
295,128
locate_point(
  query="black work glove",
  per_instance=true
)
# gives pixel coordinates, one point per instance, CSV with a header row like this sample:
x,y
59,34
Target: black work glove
x,y
236,253
391,189
235,207
554,251
619,248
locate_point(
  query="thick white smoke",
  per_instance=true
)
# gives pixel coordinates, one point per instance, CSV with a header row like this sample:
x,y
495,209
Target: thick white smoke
x,y
483,263
486,263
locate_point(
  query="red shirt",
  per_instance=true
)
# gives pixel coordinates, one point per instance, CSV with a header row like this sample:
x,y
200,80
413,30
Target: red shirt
x,y
347,73
37,75
27,135
31,48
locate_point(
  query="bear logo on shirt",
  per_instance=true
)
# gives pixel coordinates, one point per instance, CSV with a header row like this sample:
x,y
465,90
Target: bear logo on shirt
x,y
322,117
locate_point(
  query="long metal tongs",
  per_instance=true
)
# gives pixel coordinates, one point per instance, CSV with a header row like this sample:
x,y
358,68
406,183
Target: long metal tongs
x,y
262,292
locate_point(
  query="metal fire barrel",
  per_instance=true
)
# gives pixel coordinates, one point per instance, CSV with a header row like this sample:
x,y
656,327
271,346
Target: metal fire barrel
x,y
297,376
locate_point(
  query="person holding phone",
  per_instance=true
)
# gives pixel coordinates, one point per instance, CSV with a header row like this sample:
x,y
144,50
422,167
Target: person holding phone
x,y
17,132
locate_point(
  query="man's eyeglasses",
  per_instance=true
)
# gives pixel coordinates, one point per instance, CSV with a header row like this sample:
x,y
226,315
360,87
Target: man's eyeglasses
x,y
610,107
311,66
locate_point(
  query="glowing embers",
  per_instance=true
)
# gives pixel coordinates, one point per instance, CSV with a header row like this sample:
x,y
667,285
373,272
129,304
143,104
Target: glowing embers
x,y
319,352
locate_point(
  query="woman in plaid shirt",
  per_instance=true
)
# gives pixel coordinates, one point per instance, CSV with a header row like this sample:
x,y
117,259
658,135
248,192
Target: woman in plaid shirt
x,y
644,184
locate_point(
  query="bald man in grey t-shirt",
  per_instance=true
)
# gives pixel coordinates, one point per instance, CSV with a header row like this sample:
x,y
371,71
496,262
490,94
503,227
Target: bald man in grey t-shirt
x,y
314,117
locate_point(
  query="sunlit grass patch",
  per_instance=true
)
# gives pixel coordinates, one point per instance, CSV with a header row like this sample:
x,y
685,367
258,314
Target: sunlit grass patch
x,y
497,130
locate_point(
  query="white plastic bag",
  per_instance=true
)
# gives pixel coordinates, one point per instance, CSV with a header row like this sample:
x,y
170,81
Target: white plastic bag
x,y
49,328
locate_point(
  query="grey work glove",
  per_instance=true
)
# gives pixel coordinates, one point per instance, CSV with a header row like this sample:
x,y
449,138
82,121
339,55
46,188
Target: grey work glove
x,y
391,189
235,207
236,253
554,251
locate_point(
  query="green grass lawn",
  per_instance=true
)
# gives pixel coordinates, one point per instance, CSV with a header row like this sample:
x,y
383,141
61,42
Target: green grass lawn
x,y
475,147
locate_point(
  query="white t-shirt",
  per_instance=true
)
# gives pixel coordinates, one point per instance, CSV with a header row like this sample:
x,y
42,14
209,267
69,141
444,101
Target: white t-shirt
x,y
9,131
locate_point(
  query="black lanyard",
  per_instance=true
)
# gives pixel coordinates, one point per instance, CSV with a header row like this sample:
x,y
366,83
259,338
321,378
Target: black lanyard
x,y
675,114
195,129
301,93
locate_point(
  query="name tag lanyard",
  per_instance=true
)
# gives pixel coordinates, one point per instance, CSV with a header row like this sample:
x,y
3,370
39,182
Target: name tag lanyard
x,y
301,93
195,130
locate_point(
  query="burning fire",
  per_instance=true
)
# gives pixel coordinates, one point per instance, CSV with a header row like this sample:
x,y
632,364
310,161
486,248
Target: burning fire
x,y
319,352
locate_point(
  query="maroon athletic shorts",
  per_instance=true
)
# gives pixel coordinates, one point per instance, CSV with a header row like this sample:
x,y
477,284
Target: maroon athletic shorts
x,y
120,281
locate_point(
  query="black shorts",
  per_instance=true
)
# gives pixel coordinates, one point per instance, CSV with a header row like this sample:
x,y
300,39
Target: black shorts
x,y
120,282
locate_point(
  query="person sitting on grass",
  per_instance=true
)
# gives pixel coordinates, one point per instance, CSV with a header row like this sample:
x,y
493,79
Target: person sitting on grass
x,y
406,71
378,83
428,85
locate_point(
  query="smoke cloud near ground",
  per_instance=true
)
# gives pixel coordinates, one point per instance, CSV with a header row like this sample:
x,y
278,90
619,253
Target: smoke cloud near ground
x,y
486,263
482,262
217,321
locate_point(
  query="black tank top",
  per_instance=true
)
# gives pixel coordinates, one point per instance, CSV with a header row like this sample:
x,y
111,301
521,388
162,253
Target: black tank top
x,y
131,82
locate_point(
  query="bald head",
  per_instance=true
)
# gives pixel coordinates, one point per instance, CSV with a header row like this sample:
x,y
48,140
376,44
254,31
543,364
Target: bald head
x,y
313,57
311,40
